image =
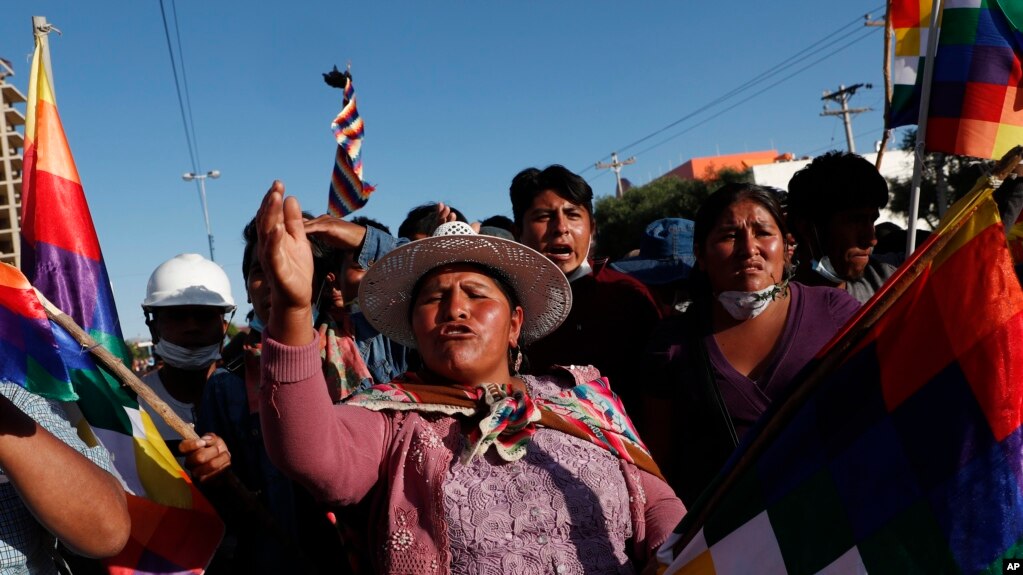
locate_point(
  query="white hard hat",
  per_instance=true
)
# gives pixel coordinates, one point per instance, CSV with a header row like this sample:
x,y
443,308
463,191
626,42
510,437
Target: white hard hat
x,y
189,279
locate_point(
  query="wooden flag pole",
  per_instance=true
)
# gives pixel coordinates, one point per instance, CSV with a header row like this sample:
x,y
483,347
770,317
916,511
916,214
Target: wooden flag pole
x,y
712,497
886,68
250,504
112,363
921,127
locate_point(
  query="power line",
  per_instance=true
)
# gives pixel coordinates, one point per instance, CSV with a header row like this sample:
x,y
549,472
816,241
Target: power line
x,y
184,81
758,93
827,41
192,154
777,68
830,145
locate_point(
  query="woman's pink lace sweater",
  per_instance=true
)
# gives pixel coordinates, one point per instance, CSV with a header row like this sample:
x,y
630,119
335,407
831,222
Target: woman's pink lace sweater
x,y
566,507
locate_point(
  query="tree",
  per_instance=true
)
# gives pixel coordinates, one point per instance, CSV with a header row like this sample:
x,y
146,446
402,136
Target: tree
x,y
622,221
961,174
137,351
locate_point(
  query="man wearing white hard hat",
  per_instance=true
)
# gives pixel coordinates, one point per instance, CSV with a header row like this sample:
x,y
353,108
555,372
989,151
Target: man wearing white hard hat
x,y
187,299
186,303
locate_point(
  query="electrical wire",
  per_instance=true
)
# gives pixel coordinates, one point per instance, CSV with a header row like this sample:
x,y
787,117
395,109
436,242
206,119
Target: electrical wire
x,y
830,146
743,87
184,81
827,41
189,140
759,93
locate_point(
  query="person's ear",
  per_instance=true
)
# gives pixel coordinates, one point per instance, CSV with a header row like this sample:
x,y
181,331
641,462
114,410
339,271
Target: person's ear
x,y
517,318
790,248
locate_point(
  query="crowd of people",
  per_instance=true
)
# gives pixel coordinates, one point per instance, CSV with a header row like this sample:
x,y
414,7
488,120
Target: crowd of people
x,y
473,398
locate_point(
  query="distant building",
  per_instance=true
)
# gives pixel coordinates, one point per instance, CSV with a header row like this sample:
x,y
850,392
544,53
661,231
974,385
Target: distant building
x,y
12,143
706,168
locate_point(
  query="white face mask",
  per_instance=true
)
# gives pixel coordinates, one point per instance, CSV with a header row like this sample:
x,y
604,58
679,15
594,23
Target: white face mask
x,y
185,358
827,271
823,266
744,305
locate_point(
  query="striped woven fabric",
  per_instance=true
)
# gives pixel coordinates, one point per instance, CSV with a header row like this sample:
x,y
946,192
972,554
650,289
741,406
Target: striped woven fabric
x,y
348,191
174,529
906,457
589,411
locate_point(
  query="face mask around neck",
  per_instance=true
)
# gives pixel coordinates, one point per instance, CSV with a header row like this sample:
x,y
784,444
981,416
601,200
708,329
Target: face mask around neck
x,y
185,358
744,305
823,266
827,271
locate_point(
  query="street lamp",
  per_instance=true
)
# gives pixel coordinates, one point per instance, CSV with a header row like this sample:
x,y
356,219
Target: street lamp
x,y
188,177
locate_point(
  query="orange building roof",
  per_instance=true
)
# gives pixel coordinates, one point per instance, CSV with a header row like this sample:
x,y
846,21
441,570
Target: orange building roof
x,y
705,168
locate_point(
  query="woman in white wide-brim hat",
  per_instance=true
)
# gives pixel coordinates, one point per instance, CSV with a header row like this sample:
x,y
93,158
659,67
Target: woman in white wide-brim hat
x,y
469,467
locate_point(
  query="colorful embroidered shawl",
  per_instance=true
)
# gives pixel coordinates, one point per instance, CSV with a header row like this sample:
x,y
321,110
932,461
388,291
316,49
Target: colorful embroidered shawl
x,y
509,418
343,366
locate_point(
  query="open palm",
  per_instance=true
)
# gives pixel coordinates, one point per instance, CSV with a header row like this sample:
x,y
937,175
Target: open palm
x,y
287,259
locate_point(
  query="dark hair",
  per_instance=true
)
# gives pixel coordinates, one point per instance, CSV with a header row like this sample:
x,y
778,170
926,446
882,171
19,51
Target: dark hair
x,y
834,182
531,182
423,220
707,216
492,273
324,256
498,221
251,236
370,223
729,194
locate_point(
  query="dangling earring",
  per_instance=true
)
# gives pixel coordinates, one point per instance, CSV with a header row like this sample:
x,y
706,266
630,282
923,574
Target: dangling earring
x,y
515,355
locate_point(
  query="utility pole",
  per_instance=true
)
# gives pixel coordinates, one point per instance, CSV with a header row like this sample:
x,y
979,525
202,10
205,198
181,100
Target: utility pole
x,y
617,167
842,97
201,179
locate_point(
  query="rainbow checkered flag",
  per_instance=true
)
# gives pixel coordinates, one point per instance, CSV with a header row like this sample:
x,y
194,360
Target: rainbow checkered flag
x,y
348,191
975,91
29,355
911,22
902,450
173,528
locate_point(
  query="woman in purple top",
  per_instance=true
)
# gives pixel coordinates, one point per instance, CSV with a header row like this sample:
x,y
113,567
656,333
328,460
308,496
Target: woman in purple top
x,y
740,346
467,466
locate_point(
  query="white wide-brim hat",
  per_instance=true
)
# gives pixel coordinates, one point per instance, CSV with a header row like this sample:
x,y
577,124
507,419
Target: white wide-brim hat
x,y
542,289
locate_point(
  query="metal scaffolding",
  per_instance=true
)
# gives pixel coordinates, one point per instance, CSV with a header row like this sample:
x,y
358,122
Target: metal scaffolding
x,y
12,144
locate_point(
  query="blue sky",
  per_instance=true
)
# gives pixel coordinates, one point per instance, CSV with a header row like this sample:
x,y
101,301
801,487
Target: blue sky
x,y
456,97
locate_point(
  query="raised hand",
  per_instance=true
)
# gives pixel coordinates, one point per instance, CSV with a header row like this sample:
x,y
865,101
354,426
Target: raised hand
x,y
336,232
445,214
287,261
